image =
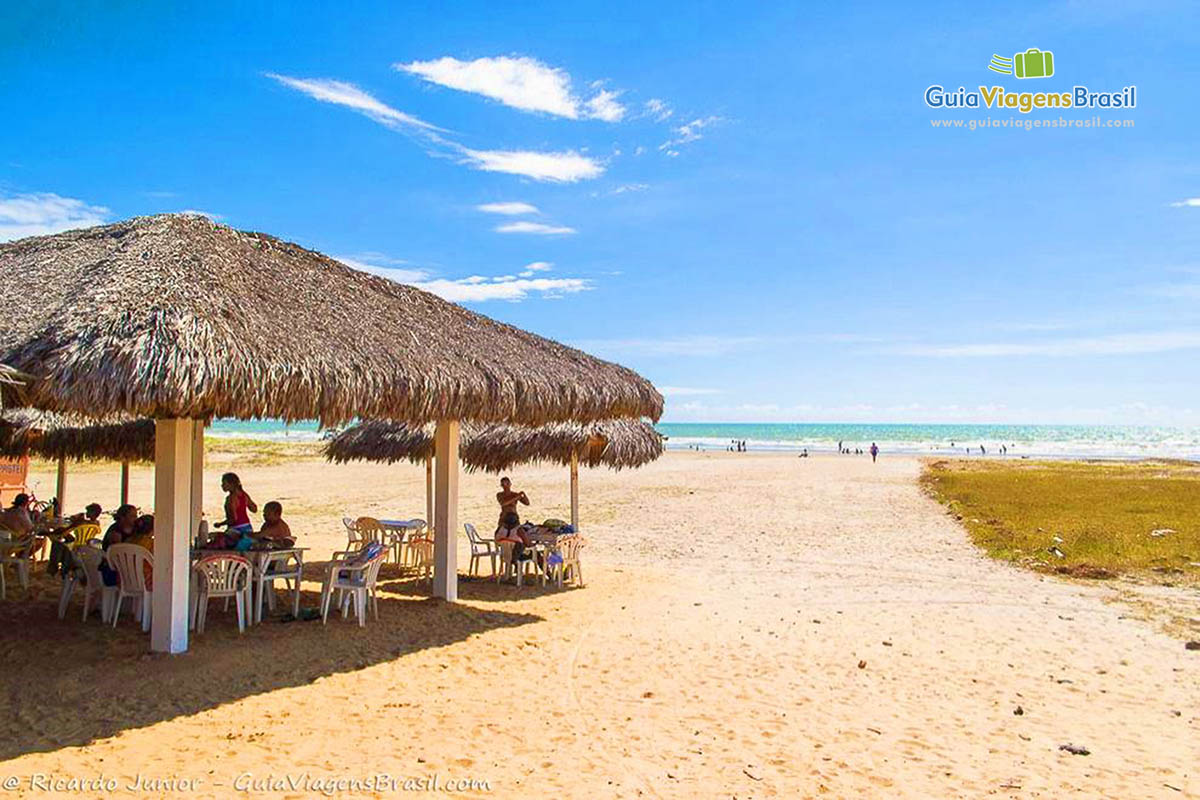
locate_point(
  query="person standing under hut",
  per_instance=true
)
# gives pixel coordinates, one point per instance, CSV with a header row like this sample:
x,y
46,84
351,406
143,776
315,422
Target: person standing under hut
x,y
508,499
239,505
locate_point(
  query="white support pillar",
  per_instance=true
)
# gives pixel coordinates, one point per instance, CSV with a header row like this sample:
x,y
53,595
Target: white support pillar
x,y
124,482
196,505
575,491
172,534
429,520
445,537
60,489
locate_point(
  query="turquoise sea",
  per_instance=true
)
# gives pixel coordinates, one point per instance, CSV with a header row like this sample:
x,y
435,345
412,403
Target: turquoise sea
x,y
1069,441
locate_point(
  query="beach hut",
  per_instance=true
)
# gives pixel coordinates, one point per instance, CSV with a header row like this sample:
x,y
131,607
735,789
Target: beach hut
x,y
616,444
61,438
180,319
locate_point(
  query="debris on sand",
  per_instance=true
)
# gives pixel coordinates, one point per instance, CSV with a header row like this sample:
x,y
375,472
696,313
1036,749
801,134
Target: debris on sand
x,y
1192,646
1075,749
1086,571
1158,532
1018,712
862,665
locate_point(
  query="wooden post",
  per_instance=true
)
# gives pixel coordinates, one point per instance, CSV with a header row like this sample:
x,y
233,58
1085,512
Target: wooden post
x,y
575,491
445,550
124,482
172,534
196,493
429,521
60,490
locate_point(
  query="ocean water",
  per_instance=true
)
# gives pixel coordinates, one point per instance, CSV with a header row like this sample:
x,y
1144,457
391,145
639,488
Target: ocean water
x,y
1034,441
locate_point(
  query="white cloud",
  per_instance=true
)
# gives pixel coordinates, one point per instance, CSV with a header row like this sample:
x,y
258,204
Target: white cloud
x,y
519,82
1191,202
1111,345
350,96
389,270
658,109
630,187
43,213
534,227
685,391
477,289
209,214
686,134
604,106
472,289
564,167
508,209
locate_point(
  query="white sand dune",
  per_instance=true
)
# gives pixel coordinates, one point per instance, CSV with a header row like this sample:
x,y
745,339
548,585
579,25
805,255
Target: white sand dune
x,y
752,626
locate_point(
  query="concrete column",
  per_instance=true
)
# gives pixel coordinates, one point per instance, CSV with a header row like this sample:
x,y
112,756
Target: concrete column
x,y
575,491
196,492
60,489
445,511
124,482
172,534
429,492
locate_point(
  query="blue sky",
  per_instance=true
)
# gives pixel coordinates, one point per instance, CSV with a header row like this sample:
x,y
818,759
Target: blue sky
x,y
747,203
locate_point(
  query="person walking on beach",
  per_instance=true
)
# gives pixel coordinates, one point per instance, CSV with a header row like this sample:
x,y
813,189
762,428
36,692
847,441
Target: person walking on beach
x,y
874,452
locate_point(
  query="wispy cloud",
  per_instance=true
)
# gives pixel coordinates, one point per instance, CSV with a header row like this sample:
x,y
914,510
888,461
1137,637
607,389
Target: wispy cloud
x,y
658,109
1191,202
508,209
43,213
477,290
564,167
534,267
348,95
473,289
537,228
686,134
628,187
685,391
1111,345
519,82
556,167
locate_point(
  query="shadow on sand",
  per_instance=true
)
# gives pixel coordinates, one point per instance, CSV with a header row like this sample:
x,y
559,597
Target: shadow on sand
x,y
70,682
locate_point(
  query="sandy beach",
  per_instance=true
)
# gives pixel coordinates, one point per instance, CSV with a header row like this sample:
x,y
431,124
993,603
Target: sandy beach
x,y
753,625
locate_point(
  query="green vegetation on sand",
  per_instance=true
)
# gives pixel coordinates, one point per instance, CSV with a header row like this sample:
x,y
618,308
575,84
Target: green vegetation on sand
x,y
1079,518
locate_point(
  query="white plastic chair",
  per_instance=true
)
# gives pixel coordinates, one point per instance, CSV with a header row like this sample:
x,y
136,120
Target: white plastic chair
x,y
130,562
480,549
563,559
354,581
19,554
284,565
416,528
509,565
420,548
83,567
224,575
353,538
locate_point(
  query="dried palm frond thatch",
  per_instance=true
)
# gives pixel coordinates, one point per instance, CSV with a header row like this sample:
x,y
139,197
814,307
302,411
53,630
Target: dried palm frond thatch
x,y
54,436
612,443
179,316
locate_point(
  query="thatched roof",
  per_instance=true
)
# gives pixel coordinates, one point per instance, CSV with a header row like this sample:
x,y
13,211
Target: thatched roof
x,y
179,316
611,443
54,436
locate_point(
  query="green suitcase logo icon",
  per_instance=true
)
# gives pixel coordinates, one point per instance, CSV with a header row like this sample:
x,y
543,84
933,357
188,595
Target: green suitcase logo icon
x,y
1034,63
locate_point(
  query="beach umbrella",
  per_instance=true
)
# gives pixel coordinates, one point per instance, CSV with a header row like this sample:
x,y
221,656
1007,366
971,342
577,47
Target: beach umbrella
x,y
64,438
616,444
182,319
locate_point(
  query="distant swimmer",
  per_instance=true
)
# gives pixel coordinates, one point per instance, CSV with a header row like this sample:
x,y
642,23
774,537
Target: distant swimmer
x,y
982,452
874,452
